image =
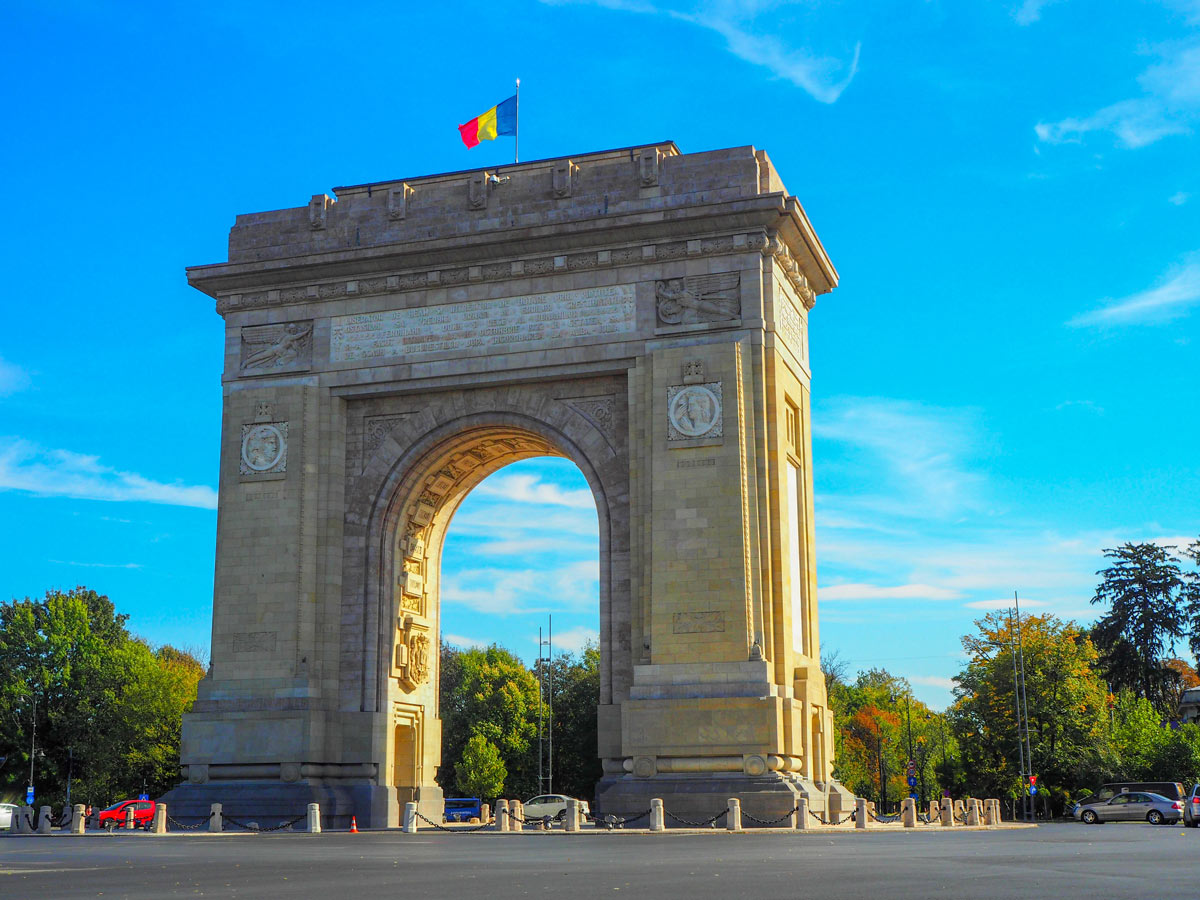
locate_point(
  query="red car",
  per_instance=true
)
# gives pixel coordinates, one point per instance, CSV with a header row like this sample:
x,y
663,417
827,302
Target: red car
x,y
114,816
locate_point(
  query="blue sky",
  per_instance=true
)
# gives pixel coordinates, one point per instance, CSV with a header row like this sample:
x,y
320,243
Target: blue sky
x,y
1005,382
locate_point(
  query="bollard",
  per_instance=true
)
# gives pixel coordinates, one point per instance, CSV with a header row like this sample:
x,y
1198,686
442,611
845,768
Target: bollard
x,y
214,818
908,812
960,813
516,815
43,825
571,819
657,820
160,818
947,812
25,820
991,812
410,818
935,811
314,818
860,813
802,814
485,813
68,818
78,819
502,815
973,812
129,824
733,818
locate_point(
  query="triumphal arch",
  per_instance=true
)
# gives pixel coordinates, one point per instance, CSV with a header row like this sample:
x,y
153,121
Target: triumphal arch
x,y
641,312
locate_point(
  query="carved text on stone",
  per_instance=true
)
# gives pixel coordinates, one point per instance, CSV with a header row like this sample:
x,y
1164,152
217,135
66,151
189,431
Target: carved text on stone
x,y
484,325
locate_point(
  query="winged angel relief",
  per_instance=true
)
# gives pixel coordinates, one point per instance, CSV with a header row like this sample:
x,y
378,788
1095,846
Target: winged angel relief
x,y
277,346
700,298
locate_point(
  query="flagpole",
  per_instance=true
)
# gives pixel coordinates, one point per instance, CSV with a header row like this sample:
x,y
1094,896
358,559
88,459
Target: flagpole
x,y
517,124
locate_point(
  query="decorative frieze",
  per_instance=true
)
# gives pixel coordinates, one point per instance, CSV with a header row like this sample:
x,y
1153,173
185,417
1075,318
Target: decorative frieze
x,y
699,298
403,282
286,347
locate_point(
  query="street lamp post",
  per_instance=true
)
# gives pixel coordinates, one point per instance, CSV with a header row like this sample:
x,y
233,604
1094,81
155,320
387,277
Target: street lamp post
x,y
33,742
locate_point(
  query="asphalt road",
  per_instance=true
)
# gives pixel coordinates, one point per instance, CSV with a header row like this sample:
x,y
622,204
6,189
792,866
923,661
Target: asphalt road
x,y
1060,860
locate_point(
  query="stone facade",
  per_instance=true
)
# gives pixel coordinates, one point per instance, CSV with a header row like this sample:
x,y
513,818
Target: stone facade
x,y
640,312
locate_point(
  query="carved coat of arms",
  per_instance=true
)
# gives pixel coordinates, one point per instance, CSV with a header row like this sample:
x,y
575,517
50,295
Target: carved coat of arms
x,y
413,649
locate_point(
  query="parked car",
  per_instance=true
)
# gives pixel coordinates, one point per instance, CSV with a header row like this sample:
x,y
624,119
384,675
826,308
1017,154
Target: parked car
x,y
553,805
114,816
1172,790
1130,806
1191,808
462,809
8,816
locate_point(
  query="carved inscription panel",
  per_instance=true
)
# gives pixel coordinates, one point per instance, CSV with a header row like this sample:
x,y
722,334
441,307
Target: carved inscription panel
x,y
484,325
791,326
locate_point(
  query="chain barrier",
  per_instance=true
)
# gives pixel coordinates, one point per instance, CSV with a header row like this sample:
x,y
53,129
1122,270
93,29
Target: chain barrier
x,y
28,821
171,820
250,826
821,819
705,824
885,820
787,815
441,827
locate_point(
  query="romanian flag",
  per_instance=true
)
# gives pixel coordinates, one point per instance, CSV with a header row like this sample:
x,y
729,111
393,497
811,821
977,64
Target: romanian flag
x,y
500,119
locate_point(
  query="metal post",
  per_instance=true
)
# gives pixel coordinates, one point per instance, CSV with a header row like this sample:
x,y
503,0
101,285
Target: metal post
x,y
516,144
1012,644
1025,707
550,699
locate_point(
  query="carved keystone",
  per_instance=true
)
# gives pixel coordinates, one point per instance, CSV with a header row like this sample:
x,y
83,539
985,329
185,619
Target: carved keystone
x,y
398,201
564,171
477,190
318,208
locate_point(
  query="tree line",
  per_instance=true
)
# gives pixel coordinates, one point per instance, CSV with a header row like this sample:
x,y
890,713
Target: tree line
x,y
87,703
1101,701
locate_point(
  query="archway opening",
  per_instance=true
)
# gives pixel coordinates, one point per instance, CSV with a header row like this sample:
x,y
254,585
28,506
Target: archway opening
x,y
519,616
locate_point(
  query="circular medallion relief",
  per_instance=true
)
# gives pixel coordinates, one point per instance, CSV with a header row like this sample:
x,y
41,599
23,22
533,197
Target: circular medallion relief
x,y
263,447
694,410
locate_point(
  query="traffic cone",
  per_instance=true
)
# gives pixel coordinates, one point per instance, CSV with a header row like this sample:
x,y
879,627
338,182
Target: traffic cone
x,y
353,825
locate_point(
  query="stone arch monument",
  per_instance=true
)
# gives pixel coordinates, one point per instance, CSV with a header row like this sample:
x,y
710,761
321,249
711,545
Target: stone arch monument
x,y
641,312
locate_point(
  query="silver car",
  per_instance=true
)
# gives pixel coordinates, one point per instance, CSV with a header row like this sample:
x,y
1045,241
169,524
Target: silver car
x,y
8,816
1130,806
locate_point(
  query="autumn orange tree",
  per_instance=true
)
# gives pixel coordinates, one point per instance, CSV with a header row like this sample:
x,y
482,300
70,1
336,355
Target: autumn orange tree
x,y
880,727
1068,706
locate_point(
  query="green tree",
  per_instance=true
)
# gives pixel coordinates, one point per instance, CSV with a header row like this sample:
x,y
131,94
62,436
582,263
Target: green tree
x,y
489,693
576,687
480,772
1066,700
107,709
1148,748
1191,596
1147,614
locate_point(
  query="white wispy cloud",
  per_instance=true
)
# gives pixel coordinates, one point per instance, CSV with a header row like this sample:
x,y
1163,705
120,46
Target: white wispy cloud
x,y
572,586
1173,297
64,473
572,640
12,378
847,592
531,489
95,565
1031,11
823,77
1001,603
918,450
938,681
465,643
1179,198
1168,105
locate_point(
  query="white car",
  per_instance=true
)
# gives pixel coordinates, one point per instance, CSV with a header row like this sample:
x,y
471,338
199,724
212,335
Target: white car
x,y
553,805
8,816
